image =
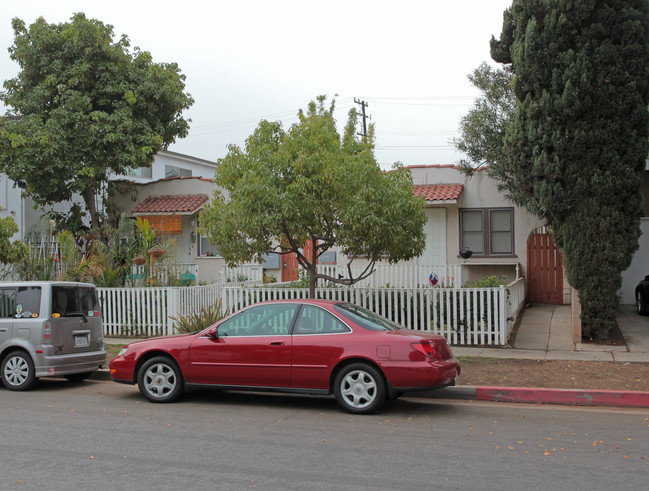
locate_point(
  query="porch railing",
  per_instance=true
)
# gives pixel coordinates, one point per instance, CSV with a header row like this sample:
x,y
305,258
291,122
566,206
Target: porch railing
x,y
400,275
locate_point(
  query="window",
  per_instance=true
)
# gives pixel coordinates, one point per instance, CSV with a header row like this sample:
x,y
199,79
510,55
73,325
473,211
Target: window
x,y
206,249
73,301
314,320
472,230
487,232
173,171
366,318
262,320
26,302
7,302
139,172
500,228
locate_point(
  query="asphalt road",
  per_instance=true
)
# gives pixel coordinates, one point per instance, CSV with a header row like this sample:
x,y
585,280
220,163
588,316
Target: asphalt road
x,y
102,435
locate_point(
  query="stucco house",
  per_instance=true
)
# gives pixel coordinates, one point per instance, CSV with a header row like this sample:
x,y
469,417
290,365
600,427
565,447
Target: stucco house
x,y
469,213
464,213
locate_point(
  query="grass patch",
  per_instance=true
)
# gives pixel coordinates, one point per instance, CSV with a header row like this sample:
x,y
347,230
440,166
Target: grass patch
x,y
477,361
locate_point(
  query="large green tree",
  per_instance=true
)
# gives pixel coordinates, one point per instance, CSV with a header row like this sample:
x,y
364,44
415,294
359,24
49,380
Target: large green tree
x,y
82,106
579,141
310,185
483,127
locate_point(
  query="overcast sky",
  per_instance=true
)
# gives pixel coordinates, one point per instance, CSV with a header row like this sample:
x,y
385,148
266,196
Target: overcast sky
x,y
247,60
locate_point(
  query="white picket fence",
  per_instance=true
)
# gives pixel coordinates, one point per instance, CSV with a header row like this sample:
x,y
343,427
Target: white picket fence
x,y
464,316
399,275
148,311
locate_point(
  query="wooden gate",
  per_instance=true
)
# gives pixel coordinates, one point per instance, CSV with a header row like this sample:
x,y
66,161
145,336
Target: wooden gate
x,y
544,269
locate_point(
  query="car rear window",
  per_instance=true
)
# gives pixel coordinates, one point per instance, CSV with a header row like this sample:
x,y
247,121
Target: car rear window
x,y
74,300
366,318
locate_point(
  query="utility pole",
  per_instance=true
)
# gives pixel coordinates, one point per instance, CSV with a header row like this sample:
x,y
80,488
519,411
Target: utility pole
x,y
363,105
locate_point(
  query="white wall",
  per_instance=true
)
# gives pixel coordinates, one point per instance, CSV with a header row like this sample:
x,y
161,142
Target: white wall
x,y
11,205
639,266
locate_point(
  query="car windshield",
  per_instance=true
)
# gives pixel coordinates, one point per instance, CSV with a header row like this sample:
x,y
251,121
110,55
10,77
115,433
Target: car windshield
x,y
366,318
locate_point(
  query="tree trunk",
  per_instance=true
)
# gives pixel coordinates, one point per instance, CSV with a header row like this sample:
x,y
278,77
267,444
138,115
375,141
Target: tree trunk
x,y
312,280
89,198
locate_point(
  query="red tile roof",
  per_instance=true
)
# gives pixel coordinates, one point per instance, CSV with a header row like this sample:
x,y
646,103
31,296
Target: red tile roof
x,y
438,192
179,203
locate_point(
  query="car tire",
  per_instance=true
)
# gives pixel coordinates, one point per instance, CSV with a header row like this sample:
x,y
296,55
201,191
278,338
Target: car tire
x,y
160,380
360,389
17,371
641,305
76,378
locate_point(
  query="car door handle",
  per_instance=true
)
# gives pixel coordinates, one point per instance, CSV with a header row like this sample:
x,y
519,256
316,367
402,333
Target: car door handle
x,y
277,343
3,329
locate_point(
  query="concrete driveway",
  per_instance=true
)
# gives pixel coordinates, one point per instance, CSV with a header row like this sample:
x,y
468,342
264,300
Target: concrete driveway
x,y
635,329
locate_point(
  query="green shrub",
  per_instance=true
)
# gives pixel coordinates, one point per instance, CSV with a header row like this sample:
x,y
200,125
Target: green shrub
x,y
199,320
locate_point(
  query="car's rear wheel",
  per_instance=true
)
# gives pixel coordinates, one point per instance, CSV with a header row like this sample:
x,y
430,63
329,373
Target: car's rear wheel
x,y
75,378
360,389
160,380
17,371
640,303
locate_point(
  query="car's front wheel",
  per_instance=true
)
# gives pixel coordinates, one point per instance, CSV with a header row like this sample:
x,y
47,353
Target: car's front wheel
x,y
160,380
17,371
360,389
640,303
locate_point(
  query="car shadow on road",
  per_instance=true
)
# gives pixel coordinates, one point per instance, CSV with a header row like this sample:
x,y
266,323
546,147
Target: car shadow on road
x,y
400,407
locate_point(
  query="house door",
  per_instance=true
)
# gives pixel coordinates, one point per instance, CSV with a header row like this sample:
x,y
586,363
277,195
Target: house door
x,y
290,264
544,269
435,229
289,267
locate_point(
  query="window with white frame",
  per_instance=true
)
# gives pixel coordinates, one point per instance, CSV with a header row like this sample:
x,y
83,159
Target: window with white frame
x,y
488,231
205,247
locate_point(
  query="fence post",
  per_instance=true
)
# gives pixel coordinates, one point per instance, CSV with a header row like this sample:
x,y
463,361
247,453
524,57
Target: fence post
x,y
172,308
502,315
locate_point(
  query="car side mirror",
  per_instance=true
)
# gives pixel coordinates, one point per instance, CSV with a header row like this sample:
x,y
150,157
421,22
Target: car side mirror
x,y
212,333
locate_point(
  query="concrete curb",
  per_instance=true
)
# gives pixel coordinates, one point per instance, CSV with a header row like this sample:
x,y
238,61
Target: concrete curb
x,y
571,397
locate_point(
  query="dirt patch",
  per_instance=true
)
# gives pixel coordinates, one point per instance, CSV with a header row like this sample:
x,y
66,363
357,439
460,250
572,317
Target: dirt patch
x,y
554,374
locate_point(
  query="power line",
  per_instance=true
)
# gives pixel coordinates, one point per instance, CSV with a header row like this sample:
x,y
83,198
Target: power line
x,y
243,124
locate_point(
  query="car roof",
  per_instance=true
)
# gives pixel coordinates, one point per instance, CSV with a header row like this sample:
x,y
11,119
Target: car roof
x,y
43,283
312,301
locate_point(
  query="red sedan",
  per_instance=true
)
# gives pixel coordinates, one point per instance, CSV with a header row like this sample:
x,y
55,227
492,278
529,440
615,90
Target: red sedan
x,y
300,346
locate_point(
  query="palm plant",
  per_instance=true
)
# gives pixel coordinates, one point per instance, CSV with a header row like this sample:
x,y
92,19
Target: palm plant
x,y
199,320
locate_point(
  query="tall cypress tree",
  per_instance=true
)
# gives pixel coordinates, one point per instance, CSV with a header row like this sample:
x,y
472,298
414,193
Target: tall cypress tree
x,y
578,145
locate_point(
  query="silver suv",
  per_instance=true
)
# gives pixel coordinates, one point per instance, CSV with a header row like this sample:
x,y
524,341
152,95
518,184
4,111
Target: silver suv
x,y
49,328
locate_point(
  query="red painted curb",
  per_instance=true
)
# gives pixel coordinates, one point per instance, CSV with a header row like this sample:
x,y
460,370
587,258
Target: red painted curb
x,y
564,396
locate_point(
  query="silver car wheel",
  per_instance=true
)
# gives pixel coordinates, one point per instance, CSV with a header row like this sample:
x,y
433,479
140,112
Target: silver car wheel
x,y
358,388
160,380
16,370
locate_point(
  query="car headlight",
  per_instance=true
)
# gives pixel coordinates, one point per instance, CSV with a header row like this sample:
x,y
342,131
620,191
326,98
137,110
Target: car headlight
x,y
123,351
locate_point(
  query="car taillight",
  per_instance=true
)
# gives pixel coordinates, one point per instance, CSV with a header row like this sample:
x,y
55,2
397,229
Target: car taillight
x,y
47,333
427,348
